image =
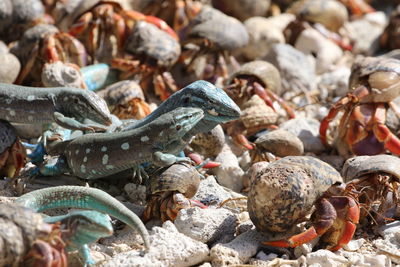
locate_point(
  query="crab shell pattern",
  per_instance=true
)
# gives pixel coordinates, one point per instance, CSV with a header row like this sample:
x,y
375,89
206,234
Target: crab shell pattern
x,y
283,193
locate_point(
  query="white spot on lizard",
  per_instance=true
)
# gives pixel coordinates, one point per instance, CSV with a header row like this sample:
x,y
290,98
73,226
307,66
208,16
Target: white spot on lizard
x,y
125,146
83,169
105,159
87,150
109,167
85,159
30,98
144,138
12,112
103,149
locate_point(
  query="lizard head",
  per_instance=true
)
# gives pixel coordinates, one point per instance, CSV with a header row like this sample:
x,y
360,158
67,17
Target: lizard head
x,y
184,119
216,104
85,104
88,226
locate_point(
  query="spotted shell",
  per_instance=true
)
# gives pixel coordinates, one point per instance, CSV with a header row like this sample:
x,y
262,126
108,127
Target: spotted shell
x,y
19,228
181,177
7,135
267,73
210,143
362,165
330,13
382,75
282,193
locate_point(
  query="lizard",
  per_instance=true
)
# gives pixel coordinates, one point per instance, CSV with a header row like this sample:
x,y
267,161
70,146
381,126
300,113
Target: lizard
x,y
66,106
84,198
218,108
81,228
98,155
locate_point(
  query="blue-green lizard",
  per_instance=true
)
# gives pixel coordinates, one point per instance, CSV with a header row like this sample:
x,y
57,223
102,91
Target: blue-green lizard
x,y
84,198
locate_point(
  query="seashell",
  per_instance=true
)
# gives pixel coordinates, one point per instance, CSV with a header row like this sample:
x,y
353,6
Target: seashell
x,y
59,74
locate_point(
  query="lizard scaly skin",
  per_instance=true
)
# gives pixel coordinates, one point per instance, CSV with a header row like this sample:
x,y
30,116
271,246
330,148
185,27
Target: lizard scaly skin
x,y
93,156
218,107
81,228
65,105
83,198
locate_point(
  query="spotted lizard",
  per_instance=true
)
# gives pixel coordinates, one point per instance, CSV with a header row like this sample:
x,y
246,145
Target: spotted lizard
x,y
66,106
98,155
218,108
84,198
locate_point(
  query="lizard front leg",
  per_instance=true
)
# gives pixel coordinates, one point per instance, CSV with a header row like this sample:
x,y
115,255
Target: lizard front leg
x,y
164,159
57,168
71,123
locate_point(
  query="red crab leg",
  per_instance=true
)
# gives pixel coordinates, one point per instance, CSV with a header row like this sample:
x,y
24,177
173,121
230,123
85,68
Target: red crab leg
x,y
162,25
326,214
197,159
358,7
260,91
268,96
81,25
342,103
382,132
349,213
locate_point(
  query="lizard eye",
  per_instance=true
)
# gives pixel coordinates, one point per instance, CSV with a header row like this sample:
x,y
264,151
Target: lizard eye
x,y
178,127
186,100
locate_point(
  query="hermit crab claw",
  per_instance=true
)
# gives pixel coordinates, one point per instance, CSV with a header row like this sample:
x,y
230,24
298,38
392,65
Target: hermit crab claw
x,y
336,217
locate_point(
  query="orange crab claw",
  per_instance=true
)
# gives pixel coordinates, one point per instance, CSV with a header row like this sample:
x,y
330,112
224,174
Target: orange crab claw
x,y
296,240
336,215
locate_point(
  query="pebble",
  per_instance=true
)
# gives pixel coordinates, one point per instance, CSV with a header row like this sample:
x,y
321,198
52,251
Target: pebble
x,y
238,251
307,130
212,193
168,248
263,33
206,225
229,173
326,52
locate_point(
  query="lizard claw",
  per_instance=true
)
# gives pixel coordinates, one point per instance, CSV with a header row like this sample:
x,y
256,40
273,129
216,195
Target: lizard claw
x,y
139,173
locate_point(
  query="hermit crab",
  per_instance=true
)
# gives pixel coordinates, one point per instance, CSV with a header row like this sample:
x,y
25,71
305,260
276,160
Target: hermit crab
x,y
42,44
170,191
284,192
377,180
374,84
208,42
126,100
25,240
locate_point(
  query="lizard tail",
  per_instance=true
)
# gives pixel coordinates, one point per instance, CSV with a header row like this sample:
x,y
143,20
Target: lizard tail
x,y
83,198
